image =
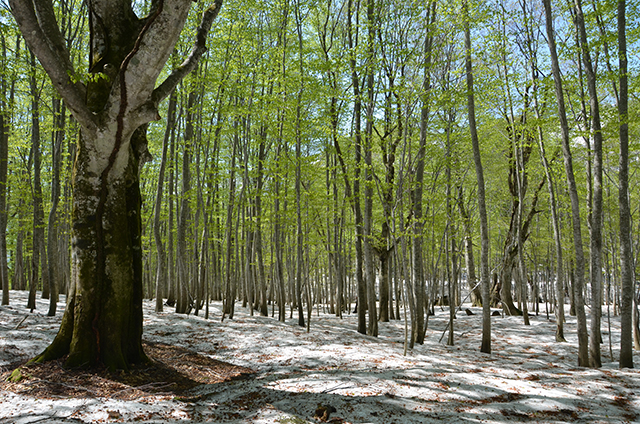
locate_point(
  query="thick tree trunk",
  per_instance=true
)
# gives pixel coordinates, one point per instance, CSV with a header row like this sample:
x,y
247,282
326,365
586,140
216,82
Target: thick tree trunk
x,y
230,294
102,323
103,319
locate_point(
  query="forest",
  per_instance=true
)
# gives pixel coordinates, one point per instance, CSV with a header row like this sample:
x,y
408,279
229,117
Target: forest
x,y
379,158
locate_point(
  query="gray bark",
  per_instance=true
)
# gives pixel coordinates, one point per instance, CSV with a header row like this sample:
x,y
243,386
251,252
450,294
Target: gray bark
x,y
4,152
161,270
578,285
482,208
595,360
102,323
626,254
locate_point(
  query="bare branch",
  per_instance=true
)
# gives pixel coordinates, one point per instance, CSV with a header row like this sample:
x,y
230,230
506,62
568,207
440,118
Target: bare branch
x,y
47,17
51,53
190,63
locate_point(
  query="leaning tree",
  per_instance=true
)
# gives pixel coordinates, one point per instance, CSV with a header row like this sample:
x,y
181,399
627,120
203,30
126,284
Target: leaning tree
x,y
113,103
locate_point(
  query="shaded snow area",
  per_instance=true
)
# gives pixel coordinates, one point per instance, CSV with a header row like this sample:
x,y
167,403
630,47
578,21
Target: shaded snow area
x,y
354,378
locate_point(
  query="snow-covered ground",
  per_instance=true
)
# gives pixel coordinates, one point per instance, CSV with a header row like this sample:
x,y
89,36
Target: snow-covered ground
x,y
528,377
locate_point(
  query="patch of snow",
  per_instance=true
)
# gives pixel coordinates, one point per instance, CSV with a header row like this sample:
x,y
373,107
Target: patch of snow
x,y
528,377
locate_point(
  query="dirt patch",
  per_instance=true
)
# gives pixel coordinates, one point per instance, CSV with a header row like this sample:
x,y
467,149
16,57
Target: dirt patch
x,y
171,372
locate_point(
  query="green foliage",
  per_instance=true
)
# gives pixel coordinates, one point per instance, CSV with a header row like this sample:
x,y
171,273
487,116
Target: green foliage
x,y
255,79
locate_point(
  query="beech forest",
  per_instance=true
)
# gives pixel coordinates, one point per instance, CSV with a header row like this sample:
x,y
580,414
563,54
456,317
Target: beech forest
x,y
374,159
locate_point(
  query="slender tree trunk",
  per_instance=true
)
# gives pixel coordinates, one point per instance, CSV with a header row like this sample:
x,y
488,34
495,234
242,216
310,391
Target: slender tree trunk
x,y
183,304
596,221
578,286
369,237
171,269
52,236
357,118
229,299
555,220
5,128
469,259
482,209
161,270
38,254
626,254
522,271
418,285
300,230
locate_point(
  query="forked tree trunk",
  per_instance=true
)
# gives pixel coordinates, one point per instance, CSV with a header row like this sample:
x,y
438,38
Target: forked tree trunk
x,y
102,323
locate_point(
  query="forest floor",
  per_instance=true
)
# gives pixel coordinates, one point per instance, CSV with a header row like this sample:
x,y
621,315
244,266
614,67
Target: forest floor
x,y
254,369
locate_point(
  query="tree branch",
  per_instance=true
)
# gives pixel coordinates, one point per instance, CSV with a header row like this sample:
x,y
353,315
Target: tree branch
x,y
45,41
190,63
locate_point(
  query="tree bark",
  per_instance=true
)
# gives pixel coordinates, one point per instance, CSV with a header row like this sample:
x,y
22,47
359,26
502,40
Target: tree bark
x,y
578,285
52,236
161,270
417,288
102,323
595,360
38,256
369,237
5,128
184,299
482,209
300,230
361,301
626,253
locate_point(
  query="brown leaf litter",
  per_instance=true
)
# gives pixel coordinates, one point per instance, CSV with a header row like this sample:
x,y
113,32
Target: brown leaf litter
x,y
171,372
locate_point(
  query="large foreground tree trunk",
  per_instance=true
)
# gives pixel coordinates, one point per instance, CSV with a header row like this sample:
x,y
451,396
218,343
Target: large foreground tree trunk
x,y
102,323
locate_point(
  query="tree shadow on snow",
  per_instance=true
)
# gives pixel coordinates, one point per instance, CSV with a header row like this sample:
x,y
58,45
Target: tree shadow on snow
x,y
171,371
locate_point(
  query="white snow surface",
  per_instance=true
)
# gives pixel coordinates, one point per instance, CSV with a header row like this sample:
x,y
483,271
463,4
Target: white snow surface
x,y
528,377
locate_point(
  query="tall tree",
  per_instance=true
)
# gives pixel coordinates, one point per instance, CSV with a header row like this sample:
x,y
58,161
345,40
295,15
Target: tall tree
x,y
5,119
482,208
103,319
352,10
161,270
369,266
578,285
299,227
626,255
37,254
596,217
